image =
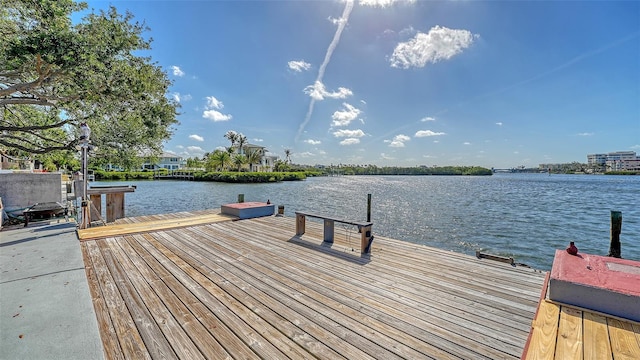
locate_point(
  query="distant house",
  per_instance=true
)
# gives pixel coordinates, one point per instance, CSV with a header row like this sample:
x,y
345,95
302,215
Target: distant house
x,y
8,162
166,160
267,160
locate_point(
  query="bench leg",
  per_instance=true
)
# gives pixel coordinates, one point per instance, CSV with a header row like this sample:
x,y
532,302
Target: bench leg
x,y
365,238
300,224
328,230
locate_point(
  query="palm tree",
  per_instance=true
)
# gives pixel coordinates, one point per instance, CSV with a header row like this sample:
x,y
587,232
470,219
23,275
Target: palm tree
x,y
253,157
231,136
218,160
241,140
239,160
287,154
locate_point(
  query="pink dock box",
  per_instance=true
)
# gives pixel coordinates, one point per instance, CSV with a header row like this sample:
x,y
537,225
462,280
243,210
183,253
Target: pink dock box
x,y
248,210
604,284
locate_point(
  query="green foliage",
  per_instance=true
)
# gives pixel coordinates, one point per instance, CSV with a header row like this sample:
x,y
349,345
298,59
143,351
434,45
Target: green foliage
x,y
421,170
622,172
123,175
248,177
55,75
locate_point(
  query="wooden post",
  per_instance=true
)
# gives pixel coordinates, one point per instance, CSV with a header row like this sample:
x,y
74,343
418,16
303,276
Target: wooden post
x,y
115,206
300,224
96,209
368,207
616,228
328,230
240,198
281,210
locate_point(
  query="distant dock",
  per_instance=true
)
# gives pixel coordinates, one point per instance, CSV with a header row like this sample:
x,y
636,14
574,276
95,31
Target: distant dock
x,y
173,175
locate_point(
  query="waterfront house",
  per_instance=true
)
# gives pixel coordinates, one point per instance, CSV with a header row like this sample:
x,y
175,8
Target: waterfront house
x,y
267,160
166,160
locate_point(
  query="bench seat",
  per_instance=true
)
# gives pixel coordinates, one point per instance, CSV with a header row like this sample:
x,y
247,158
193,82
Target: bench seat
x,y
364,227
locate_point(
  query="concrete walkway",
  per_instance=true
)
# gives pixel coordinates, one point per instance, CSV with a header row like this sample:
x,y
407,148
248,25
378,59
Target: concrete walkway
x,y
46,310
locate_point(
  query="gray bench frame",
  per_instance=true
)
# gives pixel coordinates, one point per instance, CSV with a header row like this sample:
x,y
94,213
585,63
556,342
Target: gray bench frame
x,y
364,227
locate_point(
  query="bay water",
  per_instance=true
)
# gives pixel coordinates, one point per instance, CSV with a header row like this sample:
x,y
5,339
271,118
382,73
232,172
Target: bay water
x,y
524,216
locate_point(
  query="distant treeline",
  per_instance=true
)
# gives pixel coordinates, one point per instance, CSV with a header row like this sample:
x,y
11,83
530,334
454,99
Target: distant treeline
x,y
199,175
395,170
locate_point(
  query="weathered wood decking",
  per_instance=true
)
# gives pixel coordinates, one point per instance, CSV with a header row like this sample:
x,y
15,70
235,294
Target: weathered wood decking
x,y
251,289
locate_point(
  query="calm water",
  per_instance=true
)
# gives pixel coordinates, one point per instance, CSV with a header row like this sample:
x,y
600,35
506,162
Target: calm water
x,y
526,216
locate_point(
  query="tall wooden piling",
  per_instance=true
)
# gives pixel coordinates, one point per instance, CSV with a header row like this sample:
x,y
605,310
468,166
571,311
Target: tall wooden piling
x,y
368,207
240,198
616,228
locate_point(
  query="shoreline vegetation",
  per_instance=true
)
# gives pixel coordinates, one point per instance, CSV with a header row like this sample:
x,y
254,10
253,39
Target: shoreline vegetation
x,y
293,175
298,174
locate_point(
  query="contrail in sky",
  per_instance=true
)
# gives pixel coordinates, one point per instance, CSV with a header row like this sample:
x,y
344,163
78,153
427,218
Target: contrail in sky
x,y
336,39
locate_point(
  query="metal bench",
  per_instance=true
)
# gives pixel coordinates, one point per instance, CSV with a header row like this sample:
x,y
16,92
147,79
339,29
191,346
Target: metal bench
x,y
364,228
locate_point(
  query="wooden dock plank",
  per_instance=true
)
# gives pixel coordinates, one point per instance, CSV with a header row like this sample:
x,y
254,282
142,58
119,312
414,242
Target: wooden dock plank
x,y
230,328
624,343
251,289
569,342
419,287
111,345
285,319
165,318
337,311
217,300
131,343
147,226
596,337
389,295
191,314
154,340
544,332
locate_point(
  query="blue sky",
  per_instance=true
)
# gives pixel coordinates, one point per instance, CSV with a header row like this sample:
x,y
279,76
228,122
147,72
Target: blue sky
x,y
488,83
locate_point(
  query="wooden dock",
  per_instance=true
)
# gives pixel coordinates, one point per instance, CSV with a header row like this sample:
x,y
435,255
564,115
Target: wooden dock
x,y
252,289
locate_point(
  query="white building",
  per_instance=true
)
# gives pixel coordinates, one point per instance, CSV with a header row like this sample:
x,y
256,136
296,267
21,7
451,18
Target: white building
x,y
615,161
267,160
166,160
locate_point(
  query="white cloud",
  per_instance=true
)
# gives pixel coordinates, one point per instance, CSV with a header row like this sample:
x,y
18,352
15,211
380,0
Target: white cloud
x,y
257,140
363,102
499,123
440,43
346,116
195,149
426,133
213,103
466,143
299,65
428,118
386,157
216,115
306,154
313,142
586,134
196,137
383,3
177,71
318,92
349,133
398,141
350,141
